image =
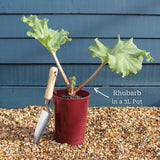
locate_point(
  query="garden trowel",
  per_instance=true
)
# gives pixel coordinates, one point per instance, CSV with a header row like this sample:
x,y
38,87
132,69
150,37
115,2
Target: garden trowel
x,y
45,116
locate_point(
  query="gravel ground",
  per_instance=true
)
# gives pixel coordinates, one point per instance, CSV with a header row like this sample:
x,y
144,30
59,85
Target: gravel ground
x,y
112,133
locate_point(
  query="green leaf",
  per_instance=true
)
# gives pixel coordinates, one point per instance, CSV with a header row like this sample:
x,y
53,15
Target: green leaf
x,y
123,57
72,82
100,51
51,39
125,64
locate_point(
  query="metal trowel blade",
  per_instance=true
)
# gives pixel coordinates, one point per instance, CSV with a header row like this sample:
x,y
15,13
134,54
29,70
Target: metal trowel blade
x,y
41,125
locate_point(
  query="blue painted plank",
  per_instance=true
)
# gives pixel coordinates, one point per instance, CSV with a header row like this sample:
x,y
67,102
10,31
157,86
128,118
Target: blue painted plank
x,y
82,6
88,25
19,97
76,51
126,96
37,75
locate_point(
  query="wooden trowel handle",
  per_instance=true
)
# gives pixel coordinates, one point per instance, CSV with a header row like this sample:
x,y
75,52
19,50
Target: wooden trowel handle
x,y
51,83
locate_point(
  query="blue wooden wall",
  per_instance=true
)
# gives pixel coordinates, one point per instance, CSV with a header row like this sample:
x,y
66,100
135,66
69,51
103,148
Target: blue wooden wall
x,y
24,62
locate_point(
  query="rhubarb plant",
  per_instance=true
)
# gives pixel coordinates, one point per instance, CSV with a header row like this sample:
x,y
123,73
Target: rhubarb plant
x,y
122,58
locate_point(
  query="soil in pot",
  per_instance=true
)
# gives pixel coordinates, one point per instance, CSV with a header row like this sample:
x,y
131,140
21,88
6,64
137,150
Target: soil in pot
x,y
65,95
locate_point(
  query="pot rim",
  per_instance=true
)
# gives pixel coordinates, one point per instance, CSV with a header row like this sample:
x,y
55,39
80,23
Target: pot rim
x,y
72,99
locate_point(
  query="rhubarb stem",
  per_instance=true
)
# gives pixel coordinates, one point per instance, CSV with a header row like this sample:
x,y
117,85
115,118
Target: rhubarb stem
x,y
60,69
89,79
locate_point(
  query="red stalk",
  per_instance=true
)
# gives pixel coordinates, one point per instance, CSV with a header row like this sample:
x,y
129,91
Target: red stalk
x,y
89,79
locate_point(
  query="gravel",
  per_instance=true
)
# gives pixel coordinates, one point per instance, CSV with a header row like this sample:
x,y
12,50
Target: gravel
x,y
111,133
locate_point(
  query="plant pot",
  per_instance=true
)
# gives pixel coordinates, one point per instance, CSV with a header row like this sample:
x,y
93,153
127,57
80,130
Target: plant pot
x,y
70,117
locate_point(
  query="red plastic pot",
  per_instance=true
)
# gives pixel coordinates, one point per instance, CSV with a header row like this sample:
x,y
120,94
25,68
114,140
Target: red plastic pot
x,y
71,117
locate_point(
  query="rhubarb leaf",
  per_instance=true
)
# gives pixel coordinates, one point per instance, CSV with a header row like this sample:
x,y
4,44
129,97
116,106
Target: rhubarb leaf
x,y
51,39
100,51
123,57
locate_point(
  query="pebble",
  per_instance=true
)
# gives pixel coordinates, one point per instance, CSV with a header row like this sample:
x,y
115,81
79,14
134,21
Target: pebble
x,y
111,133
